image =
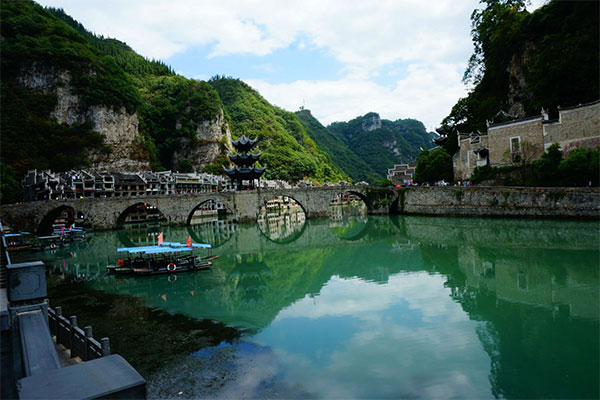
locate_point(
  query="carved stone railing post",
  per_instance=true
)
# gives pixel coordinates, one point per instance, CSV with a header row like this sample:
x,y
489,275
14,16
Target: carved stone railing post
x,y
105,346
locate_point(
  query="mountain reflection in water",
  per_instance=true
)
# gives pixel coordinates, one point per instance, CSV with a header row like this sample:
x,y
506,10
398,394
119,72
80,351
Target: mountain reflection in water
x,y
392,306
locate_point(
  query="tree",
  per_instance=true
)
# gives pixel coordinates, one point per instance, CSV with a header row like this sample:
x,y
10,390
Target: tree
x,y
490,29
581,167
545,169
185,165
529,60
10,189
433,166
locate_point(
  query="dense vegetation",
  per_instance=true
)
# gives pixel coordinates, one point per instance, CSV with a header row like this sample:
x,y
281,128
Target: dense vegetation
x,y
32,39
394,142
287,150
107,72
342,156
525,61
120,52
580,168
547,58
172,109
433,166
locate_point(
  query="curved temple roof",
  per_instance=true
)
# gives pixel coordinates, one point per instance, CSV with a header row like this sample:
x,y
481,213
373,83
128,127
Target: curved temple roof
x,y
243,144
244,160
244,173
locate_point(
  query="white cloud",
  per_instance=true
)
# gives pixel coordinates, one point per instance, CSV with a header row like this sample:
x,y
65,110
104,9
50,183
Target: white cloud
x,y
432,38
426,93
440,358
362,300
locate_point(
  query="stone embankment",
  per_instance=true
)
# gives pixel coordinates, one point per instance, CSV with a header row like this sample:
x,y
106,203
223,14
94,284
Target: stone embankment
x,y
479,201
109,213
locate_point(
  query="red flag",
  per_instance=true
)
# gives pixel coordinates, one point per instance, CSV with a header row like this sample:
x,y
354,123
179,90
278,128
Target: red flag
x,y
160,238
189,241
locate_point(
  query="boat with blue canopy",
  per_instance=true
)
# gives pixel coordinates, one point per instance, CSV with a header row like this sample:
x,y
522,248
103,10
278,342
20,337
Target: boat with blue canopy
x,y
18,241
72,234
166,258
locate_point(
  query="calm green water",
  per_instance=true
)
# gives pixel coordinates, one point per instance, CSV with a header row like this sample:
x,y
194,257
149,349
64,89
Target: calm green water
x,y
385,307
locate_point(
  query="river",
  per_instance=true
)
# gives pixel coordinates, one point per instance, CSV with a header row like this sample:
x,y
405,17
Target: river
x,y
352,307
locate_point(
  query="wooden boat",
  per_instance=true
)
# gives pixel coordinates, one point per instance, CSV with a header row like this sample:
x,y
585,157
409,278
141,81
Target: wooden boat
x,y
18,241
60,238
166,258
73,234
52,242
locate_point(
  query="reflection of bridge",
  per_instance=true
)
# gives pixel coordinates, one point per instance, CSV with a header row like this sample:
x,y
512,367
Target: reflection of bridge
x,y
109,213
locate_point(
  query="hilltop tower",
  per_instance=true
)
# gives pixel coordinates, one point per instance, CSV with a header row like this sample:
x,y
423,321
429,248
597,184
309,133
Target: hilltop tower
x,y
244,169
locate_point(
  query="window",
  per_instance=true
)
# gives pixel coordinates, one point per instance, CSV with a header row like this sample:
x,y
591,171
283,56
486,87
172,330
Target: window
x,y
515,144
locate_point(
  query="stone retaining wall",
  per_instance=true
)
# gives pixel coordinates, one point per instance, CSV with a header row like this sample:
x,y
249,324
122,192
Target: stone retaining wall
x,y
501,202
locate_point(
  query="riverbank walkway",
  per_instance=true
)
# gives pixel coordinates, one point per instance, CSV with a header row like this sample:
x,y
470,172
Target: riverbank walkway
x,y
45,355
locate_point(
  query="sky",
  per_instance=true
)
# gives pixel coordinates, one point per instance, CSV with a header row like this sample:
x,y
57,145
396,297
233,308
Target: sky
x,y
340,59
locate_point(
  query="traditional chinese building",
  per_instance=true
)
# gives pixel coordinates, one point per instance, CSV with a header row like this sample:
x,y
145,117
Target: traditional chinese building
x,y
509,140
244,173
401,174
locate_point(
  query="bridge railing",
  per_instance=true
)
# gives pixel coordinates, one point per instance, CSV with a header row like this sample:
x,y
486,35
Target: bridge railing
x,y
80,341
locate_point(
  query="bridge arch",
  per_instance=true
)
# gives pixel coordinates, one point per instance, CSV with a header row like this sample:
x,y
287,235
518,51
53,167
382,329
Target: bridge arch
x,y
266,200
212,201
355,230
279,220
341,194
152,212
222,231
359,195
45,226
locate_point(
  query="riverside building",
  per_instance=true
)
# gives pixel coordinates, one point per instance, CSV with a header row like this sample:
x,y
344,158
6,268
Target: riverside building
x,y
526,139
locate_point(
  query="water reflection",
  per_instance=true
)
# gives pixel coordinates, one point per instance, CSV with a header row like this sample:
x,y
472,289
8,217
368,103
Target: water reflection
x,y
210,208
413,307
282,219
215,231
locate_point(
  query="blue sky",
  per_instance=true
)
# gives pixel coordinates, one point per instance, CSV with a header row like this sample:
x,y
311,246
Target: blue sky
x,y
340,59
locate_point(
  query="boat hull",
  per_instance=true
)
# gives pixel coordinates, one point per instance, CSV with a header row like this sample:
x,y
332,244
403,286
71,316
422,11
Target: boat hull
x,y
145,271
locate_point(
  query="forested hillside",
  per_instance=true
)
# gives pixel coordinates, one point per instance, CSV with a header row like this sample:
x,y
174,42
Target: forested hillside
x,y
525,61
35,41
183,123
338,149
375,142
287,149
172,106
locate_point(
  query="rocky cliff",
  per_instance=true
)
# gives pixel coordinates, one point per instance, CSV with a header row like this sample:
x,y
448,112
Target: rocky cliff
x,y
518,93
212,139
118,127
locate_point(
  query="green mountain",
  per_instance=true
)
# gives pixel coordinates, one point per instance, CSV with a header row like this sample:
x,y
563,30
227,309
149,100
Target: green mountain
x,y
366,147
287,149
36,46
71,99
337,147
525,61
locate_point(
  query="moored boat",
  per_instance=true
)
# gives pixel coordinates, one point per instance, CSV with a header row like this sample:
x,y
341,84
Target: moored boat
x,y
18,241
166,258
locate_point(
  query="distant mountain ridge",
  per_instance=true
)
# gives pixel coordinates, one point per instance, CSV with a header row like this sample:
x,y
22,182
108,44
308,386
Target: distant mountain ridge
x,y
367,146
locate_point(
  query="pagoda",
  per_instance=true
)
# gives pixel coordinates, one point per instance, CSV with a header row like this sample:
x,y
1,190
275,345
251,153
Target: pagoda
x,y
244,169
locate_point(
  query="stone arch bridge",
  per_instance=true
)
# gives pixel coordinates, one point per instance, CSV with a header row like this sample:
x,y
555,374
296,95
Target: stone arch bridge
x,y
108,213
